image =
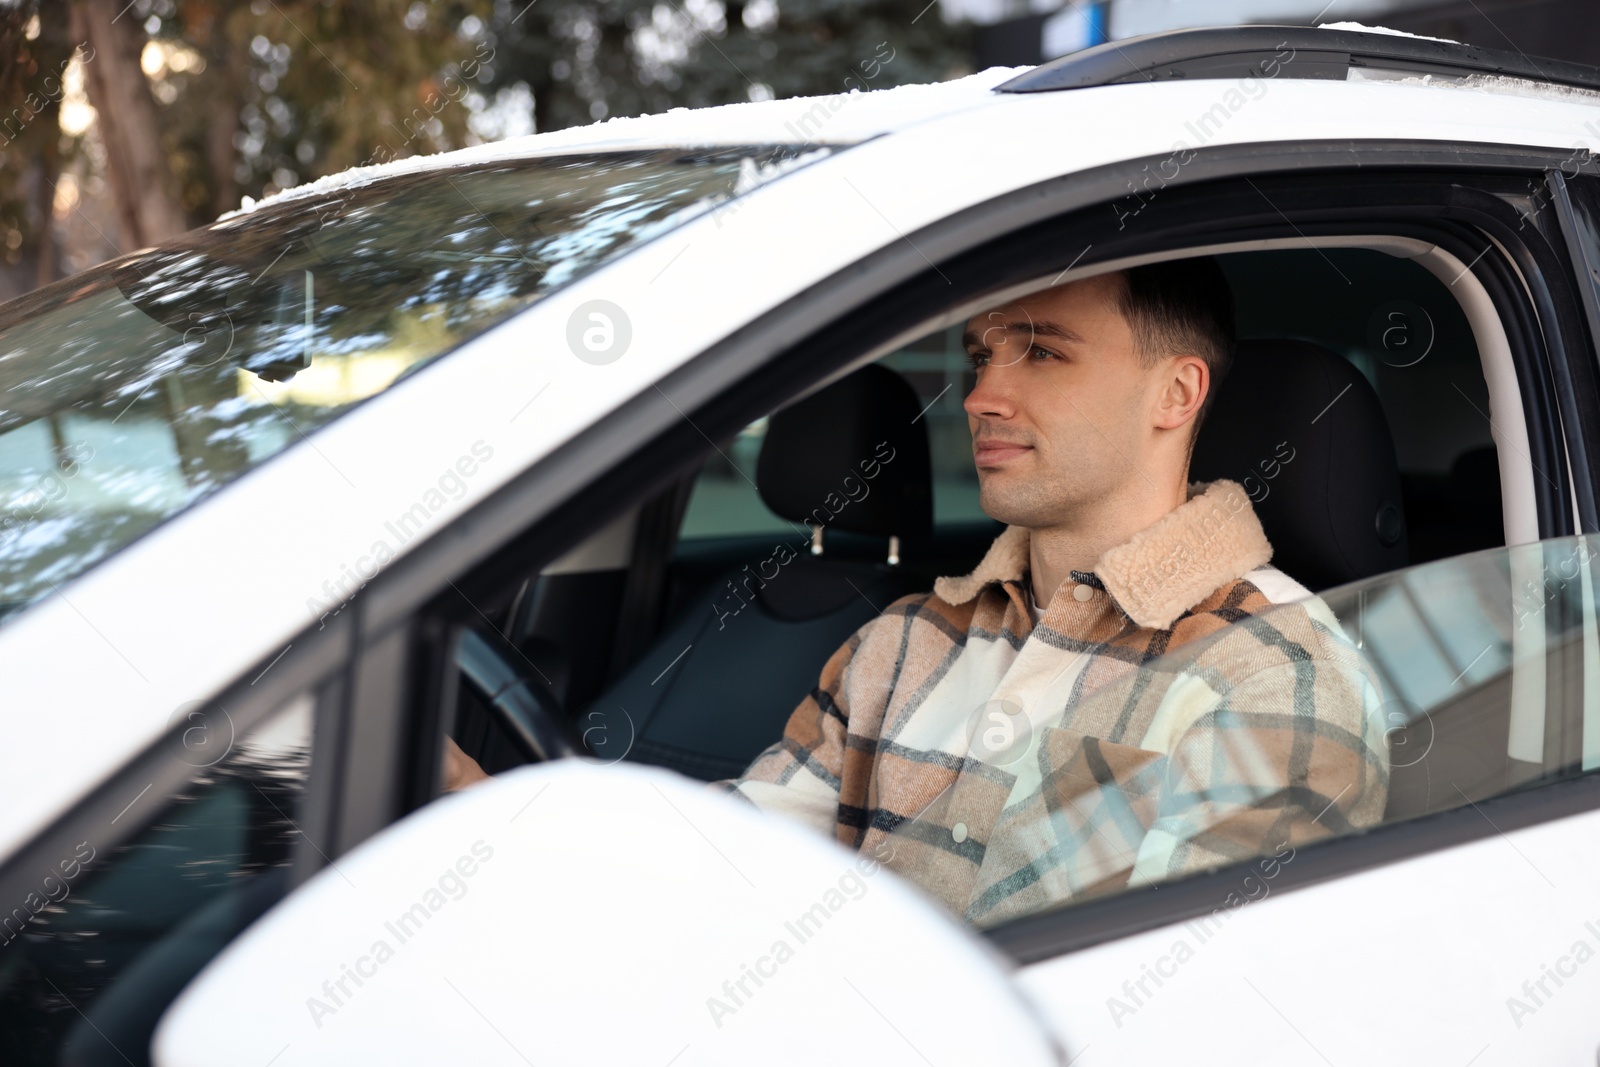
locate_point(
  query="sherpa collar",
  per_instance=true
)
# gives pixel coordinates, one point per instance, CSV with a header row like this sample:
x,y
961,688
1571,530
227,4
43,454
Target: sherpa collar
x,y
1165,569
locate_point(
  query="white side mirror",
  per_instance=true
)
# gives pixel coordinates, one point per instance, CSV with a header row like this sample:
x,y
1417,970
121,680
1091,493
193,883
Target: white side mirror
x,y
578,914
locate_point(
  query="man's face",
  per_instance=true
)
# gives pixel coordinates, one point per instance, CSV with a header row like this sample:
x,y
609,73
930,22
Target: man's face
x,y
1061,415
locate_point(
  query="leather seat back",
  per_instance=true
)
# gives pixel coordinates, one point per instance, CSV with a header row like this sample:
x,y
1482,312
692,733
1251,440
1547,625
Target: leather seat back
x,y
1302,430
721,682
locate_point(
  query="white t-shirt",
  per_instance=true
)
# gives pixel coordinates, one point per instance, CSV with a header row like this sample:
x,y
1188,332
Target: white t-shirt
x,y
1034,609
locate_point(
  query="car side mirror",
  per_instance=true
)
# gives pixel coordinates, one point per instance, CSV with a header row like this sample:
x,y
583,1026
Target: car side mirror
x,y
579,913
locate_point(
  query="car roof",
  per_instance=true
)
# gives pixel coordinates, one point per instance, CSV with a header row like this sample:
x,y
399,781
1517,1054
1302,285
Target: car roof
x,y
846,117
1198,57
1332,52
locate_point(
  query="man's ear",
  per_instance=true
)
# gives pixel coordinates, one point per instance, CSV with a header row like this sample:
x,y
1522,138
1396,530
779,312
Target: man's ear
x,y
1185,381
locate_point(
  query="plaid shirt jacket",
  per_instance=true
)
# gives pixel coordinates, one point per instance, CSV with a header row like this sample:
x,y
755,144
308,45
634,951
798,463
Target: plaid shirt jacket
x,y
1018,766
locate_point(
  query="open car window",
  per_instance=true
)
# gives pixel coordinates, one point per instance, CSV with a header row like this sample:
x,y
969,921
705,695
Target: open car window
x,y
132,391
1413,692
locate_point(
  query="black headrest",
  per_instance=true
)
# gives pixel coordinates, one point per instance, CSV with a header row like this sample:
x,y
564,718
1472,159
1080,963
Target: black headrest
x,y
852,456
1303,432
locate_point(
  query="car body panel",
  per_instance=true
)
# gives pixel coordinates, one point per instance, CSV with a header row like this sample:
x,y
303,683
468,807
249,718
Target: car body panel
x,y
1418,961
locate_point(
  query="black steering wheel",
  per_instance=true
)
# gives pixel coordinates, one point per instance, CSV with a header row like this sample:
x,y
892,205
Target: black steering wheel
x,y
517,699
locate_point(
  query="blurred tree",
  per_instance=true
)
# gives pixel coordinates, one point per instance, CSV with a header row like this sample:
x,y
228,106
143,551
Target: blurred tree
x,y
34,53
590,59
265,95
130,127
198,103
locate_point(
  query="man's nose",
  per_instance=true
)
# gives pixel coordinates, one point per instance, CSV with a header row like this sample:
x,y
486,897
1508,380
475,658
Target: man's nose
x,y
995,395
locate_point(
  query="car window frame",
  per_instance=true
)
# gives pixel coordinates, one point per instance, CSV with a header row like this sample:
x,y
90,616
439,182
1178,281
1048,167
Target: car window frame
x,y
1540,265
1531,290
1572,191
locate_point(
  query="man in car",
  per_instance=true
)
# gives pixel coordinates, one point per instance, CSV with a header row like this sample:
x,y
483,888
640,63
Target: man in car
x,y
1102,702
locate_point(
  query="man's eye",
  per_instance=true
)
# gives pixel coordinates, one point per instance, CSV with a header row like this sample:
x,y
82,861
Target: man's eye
x,y
977,359
1041,353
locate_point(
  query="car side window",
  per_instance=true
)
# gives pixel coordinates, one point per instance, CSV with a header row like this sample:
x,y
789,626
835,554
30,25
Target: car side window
x,y
89,961
727,503
1304,722
1212,754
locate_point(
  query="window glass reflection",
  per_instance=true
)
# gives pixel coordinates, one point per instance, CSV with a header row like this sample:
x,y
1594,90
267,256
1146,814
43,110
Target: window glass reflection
x,y
134,390
1413,692
114,931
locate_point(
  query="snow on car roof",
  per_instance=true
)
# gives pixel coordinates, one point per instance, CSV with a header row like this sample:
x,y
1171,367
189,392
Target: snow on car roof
x,y
1381,29
843,118
1499,84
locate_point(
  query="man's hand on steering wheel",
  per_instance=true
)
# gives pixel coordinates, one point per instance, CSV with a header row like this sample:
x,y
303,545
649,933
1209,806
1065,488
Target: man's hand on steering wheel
x,y
459,769
522,703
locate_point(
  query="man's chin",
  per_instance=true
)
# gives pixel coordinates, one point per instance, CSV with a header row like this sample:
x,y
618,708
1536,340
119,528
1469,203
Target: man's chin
x,y
1003,506
1017,503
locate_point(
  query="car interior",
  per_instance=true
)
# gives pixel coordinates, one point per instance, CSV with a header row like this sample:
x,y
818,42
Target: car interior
x,y
1357,369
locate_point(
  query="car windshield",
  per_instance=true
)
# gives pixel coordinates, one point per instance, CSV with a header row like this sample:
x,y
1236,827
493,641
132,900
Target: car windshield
x,y
135,389
1435,687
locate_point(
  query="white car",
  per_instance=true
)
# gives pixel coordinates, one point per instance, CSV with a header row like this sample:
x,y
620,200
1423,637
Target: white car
x,y
494,445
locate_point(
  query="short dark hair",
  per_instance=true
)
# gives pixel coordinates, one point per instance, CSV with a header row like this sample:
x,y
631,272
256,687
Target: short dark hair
x,y
1181,306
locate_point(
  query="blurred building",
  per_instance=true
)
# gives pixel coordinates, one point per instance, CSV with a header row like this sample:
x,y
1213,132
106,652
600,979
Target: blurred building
x,y
1015,32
